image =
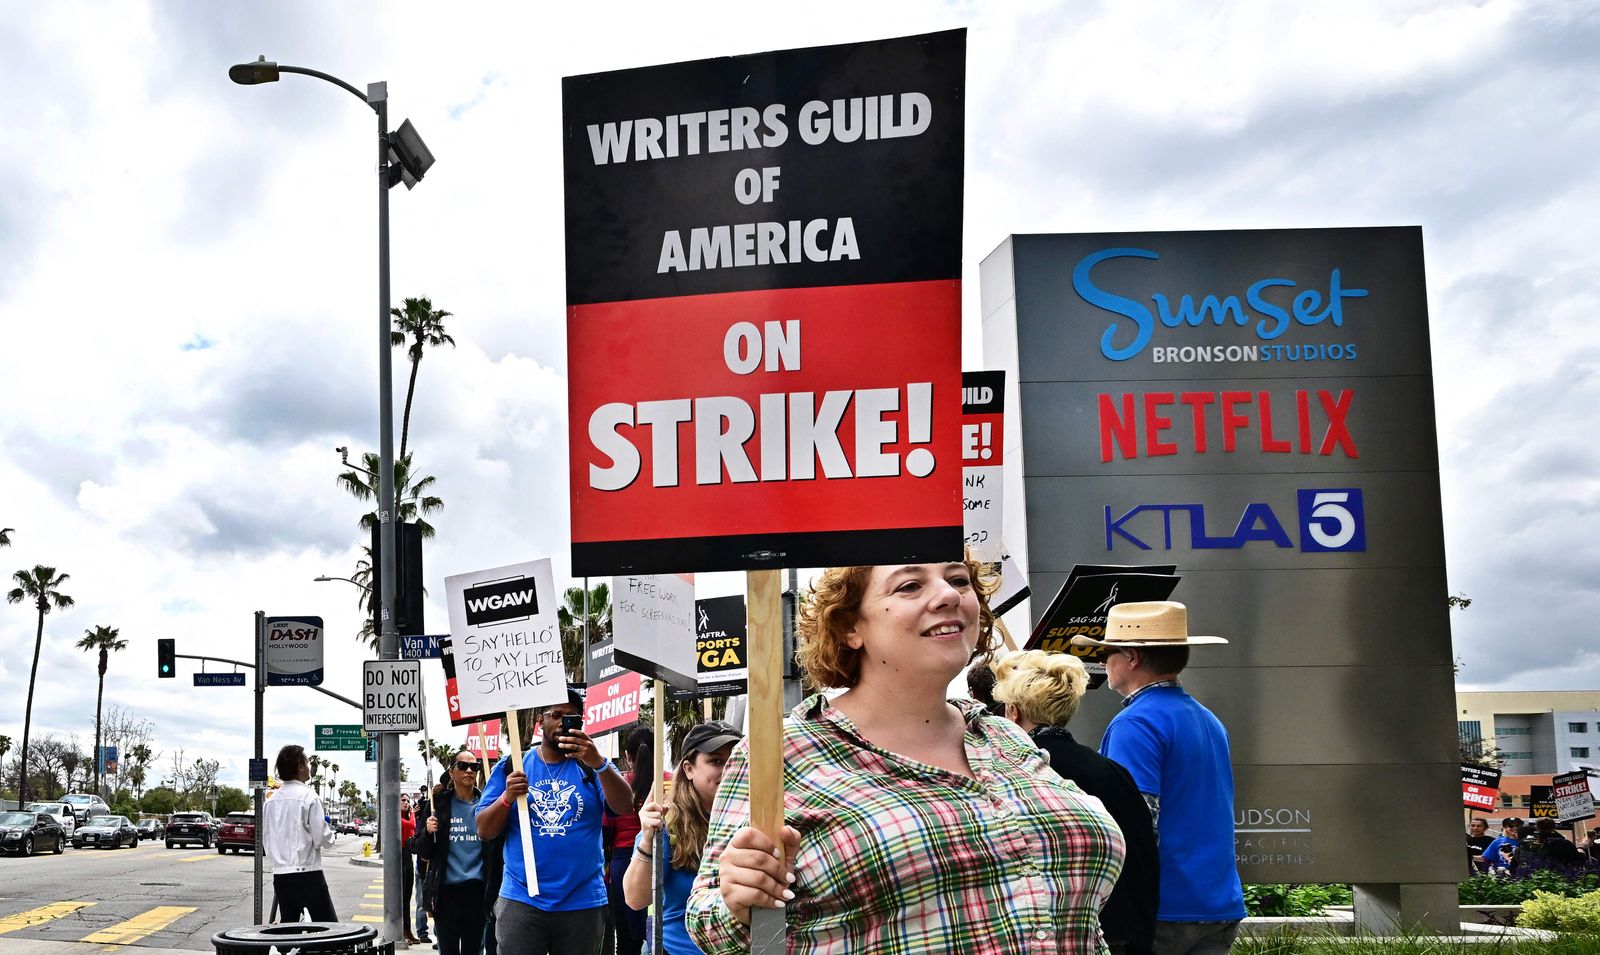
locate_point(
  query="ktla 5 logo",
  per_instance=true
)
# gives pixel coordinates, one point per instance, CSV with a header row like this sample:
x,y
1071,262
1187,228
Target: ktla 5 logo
x,y
1330,519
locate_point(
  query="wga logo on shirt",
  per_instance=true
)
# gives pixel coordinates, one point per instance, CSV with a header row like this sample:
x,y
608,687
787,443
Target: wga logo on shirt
x,y
555,806
514,599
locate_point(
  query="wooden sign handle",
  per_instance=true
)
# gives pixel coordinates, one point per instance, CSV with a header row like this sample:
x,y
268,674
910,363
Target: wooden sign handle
x,y
763,592
526,827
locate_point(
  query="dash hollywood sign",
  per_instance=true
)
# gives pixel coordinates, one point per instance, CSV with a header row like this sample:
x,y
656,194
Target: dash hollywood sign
x,y
763,286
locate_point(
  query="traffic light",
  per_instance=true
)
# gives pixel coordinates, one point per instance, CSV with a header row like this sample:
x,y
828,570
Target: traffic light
x,y
166,658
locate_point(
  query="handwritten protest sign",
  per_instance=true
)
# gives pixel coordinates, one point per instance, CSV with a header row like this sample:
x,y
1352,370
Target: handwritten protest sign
x,y
653,626
505,639
507,649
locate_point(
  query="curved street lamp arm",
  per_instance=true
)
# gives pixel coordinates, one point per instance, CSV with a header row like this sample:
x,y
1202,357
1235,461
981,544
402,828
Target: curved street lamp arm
x,y
331,79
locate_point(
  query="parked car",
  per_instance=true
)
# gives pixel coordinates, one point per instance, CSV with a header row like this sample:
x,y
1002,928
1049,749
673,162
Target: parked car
x,y
191,827
367,829
150,828
237,832
106,832
59,811
86,805
27,832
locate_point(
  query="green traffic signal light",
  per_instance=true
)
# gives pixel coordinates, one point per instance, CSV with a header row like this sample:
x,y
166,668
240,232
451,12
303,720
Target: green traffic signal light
x,y
166,658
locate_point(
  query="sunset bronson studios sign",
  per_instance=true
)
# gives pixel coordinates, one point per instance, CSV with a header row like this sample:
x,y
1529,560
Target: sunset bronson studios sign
x,y
763,286
1256,408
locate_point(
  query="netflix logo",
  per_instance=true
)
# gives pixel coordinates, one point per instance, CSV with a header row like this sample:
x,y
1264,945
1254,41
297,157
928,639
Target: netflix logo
x,y
1159,423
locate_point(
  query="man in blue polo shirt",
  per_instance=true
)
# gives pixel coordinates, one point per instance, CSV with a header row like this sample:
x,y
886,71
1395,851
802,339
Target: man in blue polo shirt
x,y
1177,753
565,780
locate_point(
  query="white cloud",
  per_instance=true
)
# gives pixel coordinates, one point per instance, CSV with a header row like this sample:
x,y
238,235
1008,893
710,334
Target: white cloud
x,y
152,206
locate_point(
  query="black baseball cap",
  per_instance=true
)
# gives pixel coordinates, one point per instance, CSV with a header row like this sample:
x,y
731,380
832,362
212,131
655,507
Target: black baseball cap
x,y
710,737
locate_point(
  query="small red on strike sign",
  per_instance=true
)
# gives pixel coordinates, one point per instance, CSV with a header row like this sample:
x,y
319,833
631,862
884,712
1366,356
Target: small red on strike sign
x,y
611,704
1480,787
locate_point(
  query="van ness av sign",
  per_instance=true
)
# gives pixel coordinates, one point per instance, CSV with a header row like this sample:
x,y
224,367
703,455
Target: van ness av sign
x,y
763,287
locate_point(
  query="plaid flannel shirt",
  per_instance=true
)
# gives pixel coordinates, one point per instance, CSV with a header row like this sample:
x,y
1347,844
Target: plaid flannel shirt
x,y
898,856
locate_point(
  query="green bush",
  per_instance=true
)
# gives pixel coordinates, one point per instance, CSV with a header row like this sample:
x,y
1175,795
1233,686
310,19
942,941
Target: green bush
x,y
1559,913
1495,890
1291,901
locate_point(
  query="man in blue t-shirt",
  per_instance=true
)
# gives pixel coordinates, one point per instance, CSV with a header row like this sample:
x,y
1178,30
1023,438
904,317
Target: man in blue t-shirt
x,y
1177,753
565,780
1500,853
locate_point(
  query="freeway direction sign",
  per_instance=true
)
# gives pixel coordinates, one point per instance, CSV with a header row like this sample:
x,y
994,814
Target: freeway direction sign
x,y
219,679
339,737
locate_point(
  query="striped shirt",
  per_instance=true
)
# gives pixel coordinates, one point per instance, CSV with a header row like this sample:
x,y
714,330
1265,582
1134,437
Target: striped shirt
x,y
898,856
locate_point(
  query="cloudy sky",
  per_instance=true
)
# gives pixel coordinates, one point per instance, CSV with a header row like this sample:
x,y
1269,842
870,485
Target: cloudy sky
x,y
187,280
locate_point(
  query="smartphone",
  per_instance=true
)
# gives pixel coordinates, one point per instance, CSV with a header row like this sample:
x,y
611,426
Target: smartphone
x,y
571,724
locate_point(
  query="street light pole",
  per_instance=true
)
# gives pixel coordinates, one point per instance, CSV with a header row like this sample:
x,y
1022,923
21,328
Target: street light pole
x,y
394,916
401,158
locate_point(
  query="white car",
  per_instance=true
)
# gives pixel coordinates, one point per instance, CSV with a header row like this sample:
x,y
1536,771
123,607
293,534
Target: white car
x,y
60,812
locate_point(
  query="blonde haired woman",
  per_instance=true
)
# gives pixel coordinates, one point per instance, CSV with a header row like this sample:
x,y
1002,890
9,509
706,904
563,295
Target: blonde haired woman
x,y
694,786
1041,692
914,823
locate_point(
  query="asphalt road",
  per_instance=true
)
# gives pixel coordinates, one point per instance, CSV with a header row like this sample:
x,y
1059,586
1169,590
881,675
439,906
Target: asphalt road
x,y
158,897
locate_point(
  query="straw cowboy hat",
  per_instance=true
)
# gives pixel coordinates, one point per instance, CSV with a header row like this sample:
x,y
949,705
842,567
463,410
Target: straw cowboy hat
x,y
1151,623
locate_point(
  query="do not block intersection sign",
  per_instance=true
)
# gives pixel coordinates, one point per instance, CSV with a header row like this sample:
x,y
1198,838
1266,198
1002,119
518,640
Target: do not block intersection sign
x,y
391,696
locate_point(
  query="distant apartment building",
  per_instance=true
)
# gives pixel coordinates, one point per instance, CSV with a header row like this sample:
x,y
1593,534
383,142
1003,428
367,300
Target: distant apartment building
x,y
1536,732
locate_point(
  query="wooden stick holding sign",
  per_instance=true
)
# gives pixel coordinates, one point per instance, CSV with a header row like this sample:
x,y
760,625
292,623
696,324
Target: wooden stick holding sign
x,y
763,594
427,784
524,825
658,865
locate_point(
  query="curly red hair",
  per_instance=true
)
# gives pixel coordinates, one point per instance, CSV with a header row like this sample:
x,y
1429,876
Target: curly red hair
x,y
832,607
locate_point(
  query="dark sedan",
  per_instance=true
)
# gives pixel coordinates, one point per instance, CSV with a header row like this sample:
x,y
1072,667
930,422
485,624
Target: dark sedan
x,y
151,828
187,827
106,832
28,832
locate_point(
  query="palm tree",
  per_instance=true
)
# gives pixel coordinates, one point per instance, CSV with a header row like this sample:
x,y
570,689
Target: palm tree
x,y
425,326
571,616
411,502
5,536
106,641
411,499
41,585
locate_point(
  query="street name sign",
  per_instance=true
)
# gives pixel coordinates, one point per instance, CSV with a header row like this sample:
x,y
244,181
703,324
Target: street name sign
x,y
420,647
219,679
391,696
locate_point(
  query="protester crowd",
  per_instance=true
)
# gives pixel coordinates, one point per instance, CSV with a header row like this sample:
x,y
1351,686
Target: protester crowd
x,y
913,823
1520,847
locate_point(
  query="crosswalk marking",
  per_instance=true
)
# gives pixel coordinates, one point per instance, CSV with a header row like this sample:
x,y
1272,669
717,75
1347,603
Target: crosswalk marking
x,y
202,857
365,918
40,915
369,895
140,925
371,905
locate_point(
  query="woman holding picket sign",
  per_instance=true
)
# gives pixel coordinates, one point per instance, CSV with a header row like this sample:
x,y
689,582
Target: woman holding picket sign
x,y
694,787
914,824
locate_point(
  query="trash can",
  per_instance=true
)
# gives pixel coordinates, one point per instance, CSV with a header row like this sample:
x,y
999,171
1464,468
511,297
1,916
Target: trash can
x,y
322,938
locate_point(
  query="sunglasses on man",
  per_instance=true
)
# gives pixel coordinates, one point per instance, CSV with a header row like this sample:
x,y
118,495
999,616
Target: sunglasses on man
x,y
468,767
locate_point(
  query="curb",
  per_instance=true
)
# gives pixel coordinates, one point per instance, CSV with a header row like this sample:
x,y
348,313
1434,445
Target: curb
x,y
376,862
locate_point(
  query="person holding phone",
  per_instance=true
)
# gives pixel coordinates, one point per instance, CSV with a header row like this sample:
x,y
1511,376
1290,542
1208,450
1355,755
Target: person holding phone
x,y
565,781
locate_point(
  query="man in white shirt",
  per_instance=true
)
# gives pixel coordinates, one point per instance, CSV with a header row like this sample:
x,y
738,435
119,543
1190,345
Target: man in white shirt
x,y
293,832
